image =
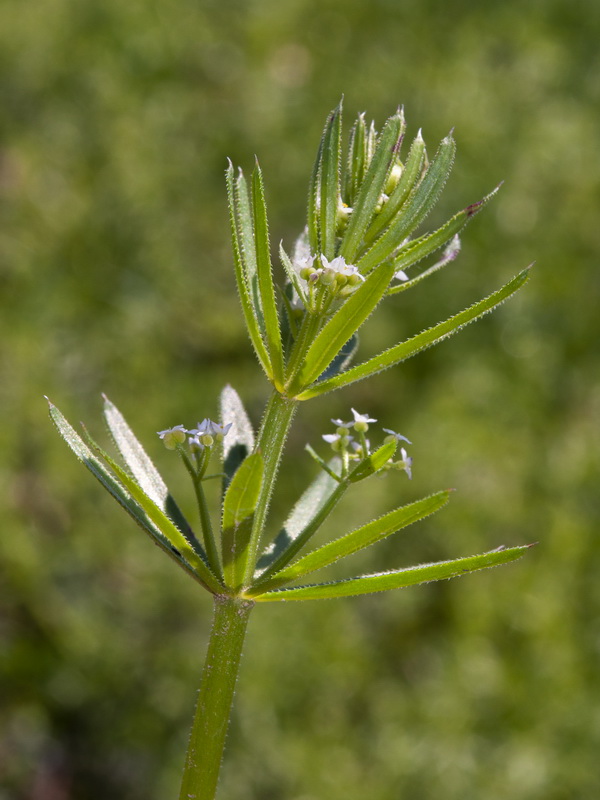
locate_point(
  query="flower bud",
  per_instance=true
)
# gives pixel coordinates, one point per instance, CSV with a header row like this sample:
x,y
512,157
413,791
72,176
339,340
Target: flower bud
x,y
171,437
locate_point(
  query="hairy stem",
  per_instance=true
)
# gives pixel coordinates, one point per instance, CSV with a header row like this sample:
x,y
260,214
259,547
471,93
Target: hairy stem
x,y
207,739
271,440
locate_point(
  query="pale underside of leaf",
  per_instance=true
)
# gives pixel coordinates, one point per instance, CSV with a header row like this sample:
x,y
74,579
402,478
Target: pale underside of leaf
x,y
118,491
141,466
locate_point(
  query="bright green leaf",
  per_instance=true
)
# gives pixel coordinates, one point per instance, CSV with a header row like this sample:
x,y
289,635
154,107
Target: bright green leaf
x,y
241,245
414,251
372,187
341,327
329,183
396,579
373,462
265,275
358,539
406,184
404,350
418,206
239,506
357,160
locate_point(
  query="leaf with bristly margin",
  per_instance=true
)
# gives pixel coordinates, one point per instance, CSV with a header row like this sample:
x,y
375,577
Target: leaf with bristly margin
x,y
418,206
329,183
242,239
239,506
412,252
238,442
396,579
369,195
245,221
192,551
408,180
344,323
120,493
404,350
359,539
373,462
141,467
357,160
265,275
311,502
343,359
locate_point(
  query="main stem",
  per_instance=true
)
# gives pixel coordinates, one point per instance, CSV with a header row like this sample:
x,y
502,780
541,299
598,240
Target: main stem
x,y
271,441
207,739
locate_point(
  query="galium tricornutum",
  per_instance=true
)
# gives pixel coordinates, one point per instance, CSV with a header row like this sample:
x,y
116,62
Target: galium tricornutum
x,y
358,248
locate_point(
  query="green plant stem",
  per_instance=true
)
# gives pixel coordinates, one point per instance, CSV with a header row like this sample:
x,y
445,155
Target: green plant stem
x,y
271,440
207,739
308,330
206,524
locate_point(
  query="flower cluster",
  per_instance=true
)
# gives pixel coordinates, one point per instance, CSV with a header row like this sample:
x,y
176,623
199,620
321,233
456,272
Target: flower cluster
x,y
346,445
205,434
336,275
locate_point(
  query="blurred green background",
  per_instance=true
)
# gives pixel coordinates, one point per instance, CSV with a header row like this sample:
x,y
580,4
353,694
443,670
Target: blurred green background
x,y
116,276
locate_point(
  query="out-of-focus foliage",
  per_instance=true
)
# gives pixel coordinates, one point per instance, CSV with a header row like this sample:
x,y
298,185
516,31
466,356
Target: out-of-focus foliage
x,y
116,276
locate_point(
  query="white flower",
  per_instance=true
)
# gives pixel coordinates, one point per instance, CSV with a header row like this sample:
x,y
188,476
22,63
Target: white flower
x,y
171,437
401,275
339,269
341,424
361,421
304,265
397,436
207,431
338,441
407,465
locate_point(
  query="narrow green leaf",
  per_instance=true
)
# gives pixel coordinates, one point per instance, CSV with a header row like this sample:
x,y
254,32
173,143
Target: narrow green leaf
x,y
330,183
373,462
314,197
141,466
404,350
117,490
372,186
406,184
396,579
304,512
238,443
343,359
358,539
265,275
245,224
417,208
417,249
371,143
248,307
239,506
357,160
343,325
169,530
